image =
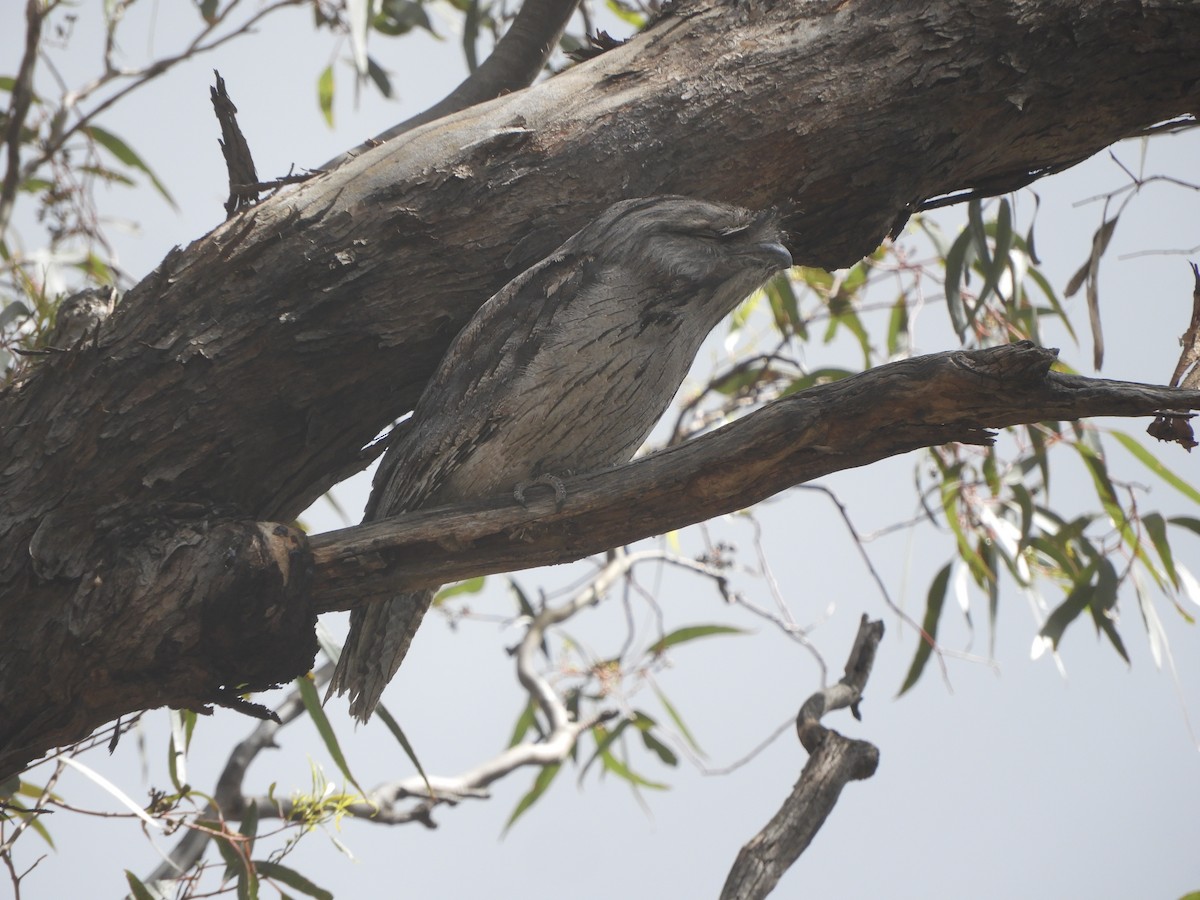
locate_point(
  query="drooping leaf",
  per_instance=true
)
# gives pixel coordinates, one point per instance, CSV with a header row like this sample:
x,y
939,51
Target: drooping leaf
x,y
1156,527
690,633
1103,601
525,721
994,270
136,888
935,600
126,154
380,77
208,10
1152,462
398,17
604,739
678,720
398,733
955,266
325,94
1076,602
543,780
825,375
658,748
621,770
897,330
312,703
291,878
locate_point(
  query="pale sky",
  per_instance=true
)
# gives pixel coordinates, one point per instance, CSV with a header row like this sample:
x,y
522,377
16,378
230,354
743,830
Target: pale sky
x,y
1010,781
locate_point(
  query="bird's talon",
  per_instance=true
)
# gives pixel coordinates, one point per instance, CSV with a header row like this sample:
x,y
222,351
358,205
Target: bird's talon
x,y
560,490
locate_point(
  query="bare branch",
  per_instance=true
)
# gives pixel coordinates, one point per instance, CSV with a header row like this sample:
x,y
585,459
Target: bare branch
x,y
892,409
834,762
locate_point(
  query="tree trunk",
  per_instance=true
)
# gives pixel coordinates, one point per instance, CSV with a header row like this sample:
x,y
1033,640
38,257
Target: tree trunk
x,y
246,374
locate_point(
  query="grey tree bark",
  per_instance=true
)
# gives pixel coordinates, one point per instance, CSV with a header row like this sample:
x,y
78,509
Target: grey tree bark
x,y
141,474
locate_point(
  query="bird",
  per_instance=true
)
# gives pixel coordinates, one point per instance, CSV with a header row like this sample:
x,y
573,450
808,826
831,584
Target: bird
x,y
565,370
80,315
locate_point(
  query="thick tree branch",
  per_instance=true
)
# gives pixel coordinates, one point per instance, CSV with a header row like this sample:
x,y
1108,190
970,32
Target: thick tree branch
x,y
834,761
883,412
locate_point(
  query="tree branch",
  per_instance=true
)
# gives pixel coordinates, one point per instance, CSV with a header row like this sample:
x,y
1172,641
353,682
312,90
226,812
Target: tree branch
x,y
888,410
21,96
834,761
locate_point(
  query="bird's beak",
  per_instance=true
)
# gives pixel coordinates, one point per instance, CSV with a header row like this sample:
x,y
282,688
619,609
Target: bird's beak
x,y
776,254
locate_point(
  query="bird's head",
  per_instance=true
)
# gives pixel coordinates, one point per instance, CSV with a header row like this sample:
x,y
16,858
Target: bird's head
x,y
689,244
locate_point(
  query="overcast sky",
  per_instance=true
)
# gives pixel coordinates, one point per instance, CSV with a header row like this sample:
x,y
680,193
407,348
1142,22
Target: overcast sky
x,y
1003,780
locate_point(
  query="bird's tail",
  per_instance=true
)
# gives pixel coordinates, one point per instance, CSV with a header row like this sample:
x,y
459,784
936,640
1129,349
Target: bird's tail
x,y
376,645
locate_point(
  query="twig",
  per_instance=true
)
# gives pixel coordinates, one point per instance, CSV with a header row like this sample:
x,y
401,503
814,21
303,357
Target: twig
x,y
21,97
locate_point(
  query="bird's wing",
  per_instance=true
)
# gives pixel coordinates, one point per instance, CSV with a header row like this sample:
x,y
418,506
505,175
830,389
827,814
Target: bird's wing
x,y
456,414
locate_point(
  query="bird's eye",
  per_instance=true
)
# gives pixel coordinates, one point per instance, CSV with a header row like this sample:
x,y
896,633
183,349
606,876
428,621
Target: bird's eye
x,y
732,230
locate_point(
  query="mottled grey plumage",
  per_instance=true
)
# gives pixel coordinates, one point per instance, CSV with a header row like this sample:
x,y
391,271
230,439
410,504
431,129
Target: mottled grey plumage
x,y
566,369
80,315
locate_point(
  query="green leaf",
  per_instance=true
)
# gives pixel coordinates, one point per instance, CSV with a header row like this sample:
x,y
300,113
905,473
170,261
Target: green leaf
x,y
1151,462
398,733
618,768
1191,523
470,586
955,266
690,633
247,884
1103,601
544,777
12,312
1055,304
625,14
659,749
949,494
978,232
1077,601
525,721
398,17
325,94
139,890
846,317
825,375
935,600
999,261
1107,493
377,74
785,308
312,703
897,330
177,747
1029,244
291,878
678,720
1156,527
208,11
235,863
249,827
604,739
125,154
